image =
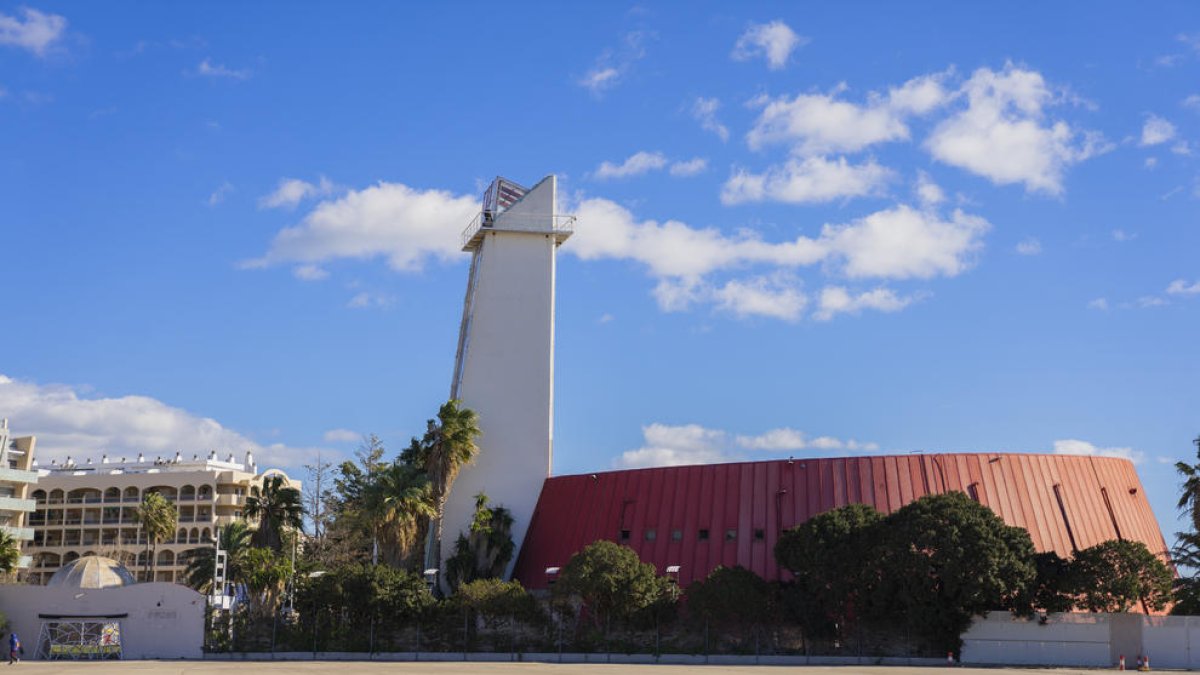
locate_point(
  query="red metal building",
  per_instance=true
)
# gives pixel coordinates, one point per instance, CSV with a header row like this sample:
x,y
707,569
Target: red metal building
x,y
699,517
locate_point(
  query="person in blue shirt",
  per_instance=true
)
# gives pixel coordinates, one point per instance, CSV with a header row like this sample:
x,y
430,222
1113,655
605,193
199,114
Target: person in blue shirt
x,y
14,648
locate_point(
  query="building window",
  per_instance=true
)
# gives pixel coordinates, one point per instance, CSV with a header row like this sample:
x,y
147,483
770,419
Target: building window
x,y
702,535
624,535
676,535
730,534
651,534
760,534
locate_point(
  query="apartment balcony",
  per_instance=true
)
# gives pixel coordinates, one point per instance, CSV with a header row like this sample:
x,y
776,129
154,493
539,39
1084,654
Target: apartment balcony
x,y
22,533
18,476
228,500
15,504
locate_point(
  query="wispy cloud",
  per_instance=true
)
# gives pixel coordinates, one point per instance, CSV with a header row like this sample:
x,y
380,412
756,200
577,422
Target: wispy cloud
x,y
34,31
218,196
774,41
1156,131
1029,246
220,71
634,165
676,445
291,191
1072,446
1182,287
614,65
705,112
689,167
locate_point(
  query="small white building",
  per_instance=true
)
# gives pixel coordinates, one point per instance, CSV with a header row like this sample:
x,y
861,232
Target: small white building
x,y
93,609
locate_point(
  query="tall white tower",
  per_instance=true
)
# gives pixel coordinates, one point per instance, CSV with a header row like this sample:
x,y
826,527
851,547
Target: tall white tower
x,y
504,368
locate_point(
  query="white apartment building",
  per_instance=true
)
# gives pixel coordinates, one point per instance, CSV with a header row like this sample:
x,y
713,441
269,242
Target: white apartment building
x,y
16,475
89,508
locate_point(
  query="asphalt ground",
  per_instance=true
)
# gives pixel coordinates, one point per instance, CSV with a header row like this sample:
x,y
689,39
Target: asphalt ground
x,y
476,668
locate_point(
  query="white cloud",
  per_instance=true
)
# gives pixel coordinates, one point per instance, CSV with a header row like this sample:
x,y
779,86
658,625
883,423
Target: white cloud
x,y
36,32
613,65
665,445
902,242
1077,447
1099,303
808,180
689,167
1182,148
1156,131
823,123
1182,287
836,300
405,225
777,296
929,193
1003,135
675,445
1122,236
218,196
291,191
820,123
68,422
635,165
369,300
1029,246
310,273
341,436
1147,301
705,112
897,243
1192,101
774,41
216,70
1150,162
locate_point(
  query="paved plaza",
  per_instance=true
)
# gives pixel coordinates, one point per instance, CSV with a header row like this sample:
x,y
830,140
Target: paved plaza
x,y
471,668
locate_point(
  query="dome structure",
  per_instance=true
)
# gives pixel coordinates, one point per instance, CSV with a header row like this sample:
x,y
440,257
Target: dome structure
x,y
92,571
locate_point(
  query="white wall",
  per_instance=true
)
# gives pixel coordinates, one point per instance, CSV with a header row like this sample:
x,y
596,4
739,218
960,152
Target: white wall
x,y
1089,640
166,621
508,369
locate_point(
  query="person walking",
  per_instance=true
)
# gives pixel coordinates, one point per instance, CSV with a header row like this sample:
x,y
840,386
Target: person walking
x,y
14,648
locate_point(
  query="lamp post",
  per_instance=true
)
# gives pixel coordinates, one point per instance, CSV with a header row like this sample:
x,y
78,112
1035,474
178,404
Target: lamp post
x,y
672,574
551,577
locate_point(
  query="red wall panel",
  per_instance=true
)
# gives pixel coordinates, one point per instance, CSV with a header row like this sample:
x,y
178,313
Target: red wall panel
x,y
574,511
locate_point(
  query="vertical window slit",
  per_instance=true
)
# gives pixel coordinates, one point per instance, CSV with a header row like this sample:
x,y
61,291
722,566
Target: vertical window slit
x,y
1062,508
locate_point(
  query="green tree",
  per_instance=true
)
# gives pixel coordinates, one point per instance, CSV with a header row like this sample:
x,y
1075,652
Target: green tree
x,y
483,553
265,573
613,583
732,599
832,558
234,539
494,600
277,507
345,602
1189,497
450,443
948,559
158,518
10,553
396,501
1116,575
1053,588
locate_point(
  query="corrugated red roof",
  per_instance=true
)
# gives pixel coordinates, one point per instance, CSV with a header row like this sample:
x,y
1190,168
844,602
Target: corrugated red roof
x,y
699,517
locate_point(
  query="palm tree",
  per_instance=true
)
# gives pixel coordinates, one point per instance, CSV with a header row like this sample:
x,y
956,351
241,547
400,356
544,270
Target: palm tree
x,y
1190,498
158,518
234,540
448,446
395,502
276,507
10,553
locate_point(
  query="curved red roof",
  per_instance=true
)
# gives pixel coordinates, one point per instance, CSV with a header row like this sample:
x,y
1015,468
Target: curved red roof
x,y
699,517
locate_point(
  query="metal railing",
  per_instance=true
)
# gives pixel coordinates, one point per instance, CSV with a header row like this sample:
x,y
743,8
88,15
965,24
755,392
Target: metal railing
x,y
549,224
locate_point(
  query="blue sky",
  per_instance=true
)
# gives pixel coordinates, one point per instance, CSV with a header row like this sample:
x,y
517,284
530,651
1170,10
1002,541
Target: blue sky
x,y
803,230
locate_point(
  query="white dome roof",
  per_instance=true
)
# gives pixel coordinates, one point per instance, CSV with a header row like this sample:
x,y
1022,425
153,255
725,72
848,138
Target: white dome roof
x,y
92,571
